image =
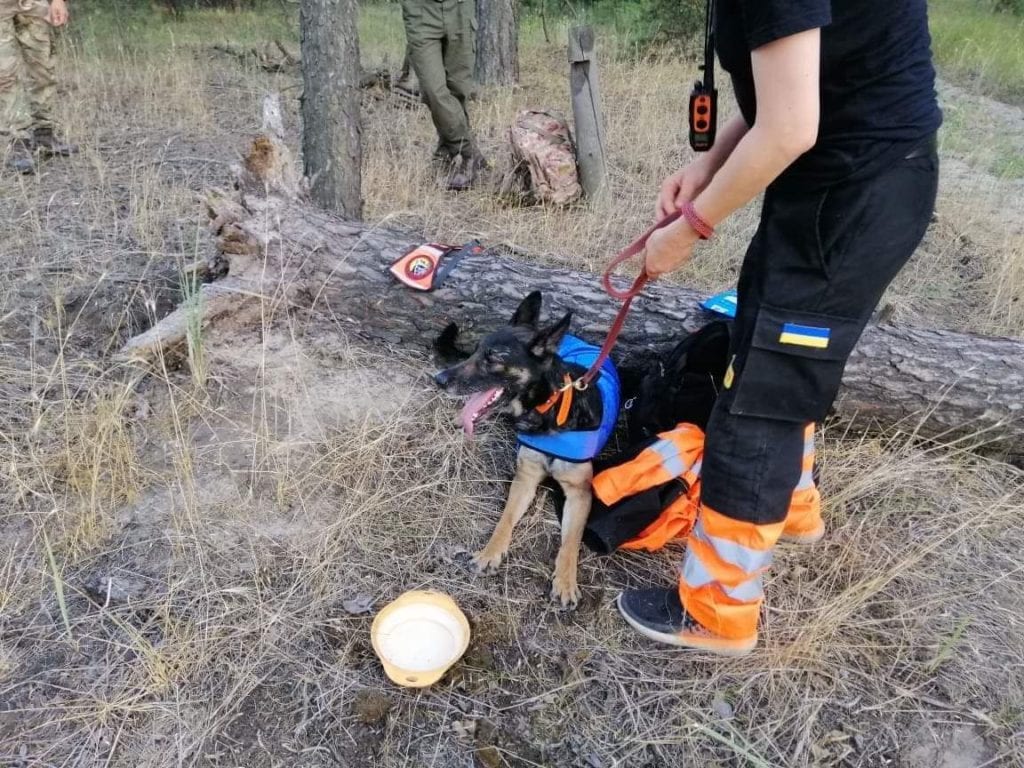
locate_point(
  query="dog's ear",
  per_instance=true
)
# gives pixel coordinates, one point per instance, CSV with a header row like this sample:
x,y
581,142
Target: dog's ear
x,y
528,311
445,348
546,342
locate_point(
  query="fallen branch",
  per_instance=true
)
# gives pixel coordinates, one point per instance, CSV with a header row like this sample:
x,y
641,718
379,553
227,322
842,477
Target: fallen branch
x,y
275,57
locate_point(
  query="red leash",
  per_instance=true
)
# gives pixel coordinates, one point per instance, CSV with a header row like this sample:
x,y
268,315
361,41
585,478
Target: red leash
x,y
627,296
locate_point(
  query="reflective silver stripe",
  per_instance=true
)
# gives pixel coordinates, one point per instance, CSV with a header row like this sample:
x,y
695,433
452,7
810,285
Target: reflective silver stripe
x,y
749,560
809,447
749,591
670,457
693,571
806,480
696,575
695,469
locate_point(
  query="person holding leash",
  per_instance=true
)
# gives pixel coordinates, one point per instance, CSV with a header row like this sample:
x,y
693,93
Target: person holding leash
x,y
836,127
25,37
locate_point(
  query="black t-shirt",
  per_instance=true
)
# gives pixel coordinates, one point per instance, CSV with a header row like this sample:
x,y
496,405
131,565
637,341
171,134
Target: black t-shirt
x,y
877,79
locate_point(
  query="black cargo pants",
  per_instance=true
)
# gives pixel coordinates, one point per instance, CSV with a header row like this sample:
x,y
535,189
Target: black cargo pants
x,y
812,276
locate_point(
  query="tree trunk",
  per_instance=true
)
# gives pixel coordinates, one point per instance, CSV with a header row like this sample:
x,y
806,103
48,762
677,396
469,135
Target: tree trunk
x,y
331,133
497,42
284,252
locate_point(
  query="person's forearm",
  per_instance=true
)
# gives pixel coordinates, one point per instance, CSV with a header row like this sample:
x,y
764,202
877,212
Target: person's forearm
x,y
725,142
757,160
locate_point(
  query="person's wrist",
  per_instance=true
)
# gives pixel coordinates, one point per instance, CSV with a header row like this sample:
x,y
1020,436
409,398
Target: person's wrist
x,y
700,225
679,234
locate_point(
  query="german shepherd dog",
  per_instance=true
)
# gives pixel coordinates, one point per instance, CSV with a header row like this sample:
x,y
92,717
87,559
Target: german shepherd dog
x,y
512,371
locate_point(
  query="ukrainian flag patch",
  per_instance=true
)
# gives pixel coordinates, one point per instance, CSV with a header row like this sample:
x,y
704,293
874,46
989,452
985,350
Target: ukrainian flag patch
x,y
804,336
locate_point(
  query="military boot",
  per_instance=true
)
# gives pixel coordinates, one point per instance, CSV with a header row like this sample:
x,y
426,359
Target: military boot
x,y
19,157
46,143
466,172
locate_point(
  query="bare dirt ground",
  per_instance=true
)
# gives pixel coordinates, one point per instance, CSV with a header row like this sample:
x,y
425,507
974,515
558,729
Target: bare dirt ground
x,y
179,548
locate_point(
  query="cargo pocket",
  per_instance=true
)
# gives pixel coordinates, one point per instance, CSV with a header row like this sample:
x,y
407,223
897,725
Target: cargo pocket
x,y
794,366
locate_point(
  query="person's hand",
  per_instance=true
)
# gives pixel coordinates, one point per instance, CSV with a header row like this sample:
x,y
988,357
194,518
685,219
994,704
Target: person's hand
x,y
669,248
58,14
685,184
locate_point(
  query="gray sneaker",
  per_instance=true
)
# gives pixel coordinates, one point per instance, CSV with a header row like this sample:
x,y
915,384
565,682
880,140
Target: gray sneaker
x,y
19,157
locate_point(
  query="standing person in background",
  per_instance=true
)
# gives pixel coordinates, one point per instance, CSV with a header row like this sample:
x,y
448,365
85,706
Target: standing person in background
x,y
26,39
440,36
837,126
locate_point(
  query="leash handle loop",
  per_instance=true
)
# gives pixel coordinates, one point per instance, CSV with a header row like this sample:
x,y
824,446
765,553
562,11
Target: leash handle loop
x,y
627,296
627,253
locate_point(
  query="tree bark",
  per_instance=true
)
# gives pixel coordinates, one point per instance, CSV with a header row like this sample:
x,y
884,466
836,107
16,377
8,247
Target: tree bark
x,y
283,252
497,42
331,132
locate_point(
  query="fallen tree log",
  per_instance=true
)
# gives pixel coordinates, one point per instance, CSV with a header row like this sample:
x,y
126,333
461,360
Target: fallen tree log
x,y
283,251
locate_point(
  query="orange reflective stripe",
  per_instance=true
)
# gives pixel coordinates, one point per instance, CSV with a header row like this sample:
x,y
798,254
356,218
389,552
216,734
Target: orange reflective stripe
x,y
695,574
670,456
720,581
805,506
749,535
807,465
804,512
720,569
716,611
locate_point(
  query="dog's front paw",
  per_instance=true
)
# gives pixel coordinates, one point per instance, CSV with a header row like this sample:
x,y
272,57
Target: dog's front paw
x,y
566,591
487,561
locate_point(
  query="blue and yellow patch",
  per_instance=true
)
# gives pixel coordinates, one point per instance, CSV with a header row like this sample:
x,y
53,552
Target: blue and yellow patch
x,y
804,335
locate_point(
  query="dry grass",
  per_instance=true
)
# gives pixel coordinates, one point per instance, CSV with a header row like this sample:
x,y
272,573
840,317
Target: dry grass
x,y
178,548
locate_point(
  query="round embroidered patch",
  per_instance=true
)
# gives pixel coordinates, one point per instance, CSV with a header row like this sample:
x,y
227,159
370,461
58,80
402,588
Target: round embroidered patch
x,y
419,267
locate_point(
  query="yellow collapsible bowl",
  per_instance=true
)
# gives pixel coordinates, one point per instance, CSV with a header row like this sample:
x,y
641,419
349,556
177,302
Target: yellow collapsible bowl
x,y
419,636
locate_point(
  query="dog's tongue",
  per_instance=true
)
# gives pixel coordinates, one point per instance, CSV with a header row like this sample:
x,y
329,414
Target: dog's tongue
x,y
472,409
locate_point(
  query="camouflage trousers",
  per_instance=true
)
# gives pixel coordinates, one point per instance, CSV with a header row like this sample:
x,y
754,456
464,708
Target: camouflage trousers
x,y
441,44
25,49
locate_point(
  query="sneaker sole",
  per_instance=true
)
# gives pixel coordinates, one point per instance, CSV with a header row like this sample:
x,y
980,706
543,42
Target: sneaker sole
x,y
719,647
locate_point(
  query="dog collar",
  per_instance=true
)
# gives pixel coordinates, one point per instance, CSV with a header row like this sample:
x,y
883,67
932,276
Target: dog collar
x,y
565,395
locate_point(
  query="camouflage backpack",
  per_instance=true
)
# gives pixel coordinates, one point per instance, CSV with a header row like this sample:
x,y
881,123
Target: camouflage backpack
x,y
544,159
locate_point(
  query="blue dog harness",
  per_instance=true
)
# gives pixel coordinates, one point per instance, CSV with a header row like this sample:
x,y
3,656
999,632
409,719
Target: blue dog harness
x,y
582,445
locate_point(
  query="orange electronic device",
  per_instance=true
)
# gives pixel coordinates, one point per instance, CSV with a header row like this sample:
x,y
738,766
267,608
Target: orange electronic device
x,y
703,115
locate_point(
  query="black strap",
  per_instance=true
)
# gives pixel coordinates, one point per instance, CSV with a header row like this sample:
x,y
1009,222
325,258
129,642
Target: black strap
x,y
709,45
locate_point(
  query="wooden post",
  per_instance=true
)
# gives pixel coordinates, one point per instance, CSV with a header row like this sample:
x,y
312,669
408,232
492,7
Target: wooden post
x,y
586,111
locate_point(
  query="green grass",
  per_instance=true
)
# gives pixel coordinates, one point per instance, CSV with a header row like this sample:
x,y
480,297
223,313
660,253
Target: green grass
x,y
985,144
976,46
104,31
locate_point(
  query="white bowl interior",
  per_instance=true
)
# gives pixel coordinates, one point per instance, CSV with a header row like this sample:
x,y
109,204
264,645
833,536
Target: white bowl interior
x,y
420,637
